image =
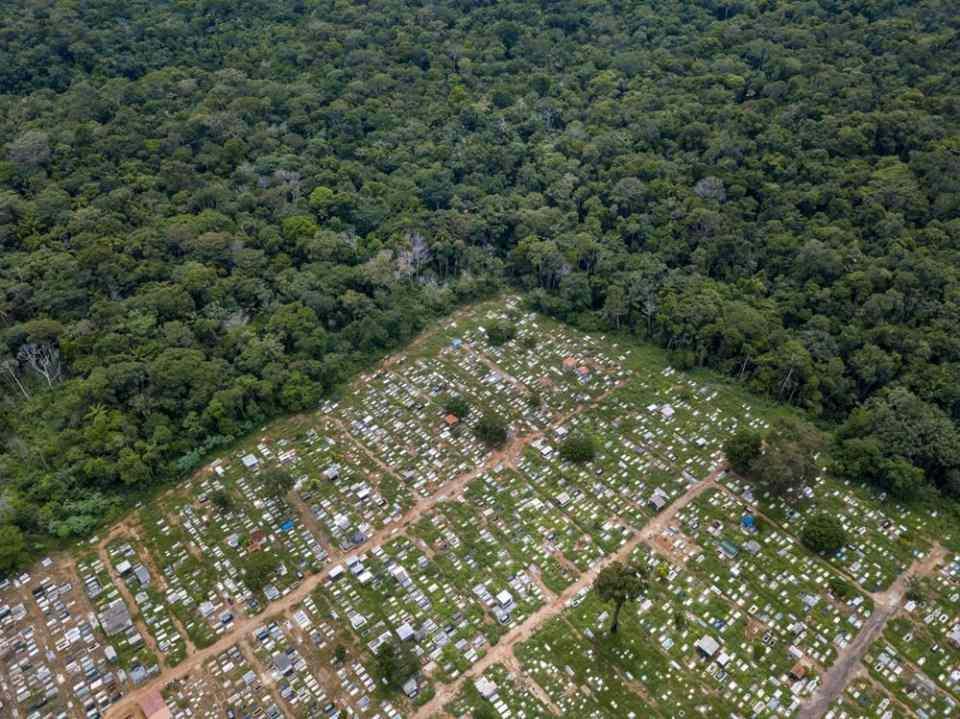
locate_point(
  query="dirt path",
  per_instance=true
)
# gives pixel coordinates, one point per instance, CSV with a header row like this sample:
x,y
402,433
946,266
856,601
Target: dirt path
x,y
502,653
254,661
835,681
120,532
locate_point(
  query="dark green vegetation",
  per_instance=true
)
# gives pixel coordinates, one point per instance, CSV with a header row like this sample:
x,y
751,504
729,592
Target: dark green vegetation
x,y
212,213
824,534
619,583
457,406
492,430
782,461
395,664
579,448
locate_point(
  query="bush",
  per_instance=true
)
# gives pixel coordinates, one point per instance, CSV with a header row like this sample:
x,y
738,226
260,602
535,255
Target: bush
x,y
492,430
395,664
258,570
501,332
276,481
841,588
579,448
824,534
457,406
742,449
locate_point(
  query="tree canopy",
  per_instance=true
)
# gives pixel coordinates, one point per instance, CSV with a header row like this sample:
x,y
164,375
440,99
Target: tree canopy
x,y
200,230
619,583
579,447
823,533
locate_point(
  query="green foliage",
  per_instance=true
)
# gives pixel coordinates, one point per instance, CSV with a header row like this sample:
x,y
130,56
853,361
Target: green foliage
x,y
824,533
222,500
501,332
12,548
579,448
619,583
743,449
492,430
841,588
457,406
788,462
395,664
258,569
340,654
277,481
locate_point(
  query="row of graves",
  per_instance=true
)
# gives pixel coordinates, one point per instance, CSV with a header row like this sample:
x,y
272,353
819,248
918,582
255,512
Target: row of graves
x,y
137,662
348,495
907,683
396,594
54,659
863,698
408,439
193,589
288,669
884,538
919,659
566,368
335,661
769,576
536,533
507,693
205,535
148,600
229,685
683,649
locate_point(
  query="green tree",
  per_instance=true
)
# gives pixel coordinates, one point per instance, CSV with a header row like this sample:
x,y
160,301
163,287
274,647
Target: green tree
x,y
500,332
743,449
395,664
12,548
457,406
276,481
222,500
823,533
618,584
579,448
258,569
492,430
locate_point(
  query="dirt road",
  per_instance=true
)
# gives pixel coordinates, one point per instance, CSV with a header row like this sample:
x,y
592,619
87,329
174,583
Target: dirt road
x,y
503,651
835,681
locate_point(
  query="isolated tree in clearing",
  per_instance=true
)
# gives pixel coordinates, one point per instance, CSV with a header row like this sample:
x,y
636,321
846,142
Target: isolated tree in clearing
x,y
618,584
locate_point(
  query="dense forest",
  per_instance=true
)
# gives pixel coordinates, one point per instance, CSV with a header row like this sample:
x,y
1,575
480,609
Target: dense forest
x,y
215,212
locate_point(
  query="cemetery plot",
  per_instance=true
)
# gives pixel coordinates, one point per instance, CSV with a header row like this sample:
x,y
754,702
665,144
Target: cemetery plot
x,y
926,632
864,699
777,583
193,590
502,691
278,654
134,655
531,529
227,685
148,600
348,495
739,618
337,661
414,441
907,683
52,658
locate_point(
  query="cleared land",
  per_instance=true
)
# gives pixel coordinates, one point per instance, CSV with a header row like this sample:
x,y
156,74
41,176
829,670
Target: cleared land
x,y
237,596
